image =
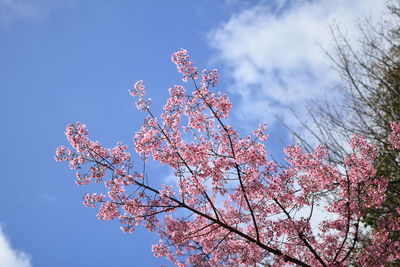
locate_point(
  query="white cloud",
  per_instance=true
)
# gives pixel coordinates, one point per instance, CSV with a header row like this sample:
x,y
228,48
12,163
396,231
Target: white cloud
x,y
273,54
10,257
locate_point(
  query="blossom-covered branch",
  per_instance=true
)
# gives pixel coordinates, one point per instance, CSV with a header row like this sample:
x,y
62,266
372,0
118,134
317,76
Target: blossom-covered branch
x,y
240,208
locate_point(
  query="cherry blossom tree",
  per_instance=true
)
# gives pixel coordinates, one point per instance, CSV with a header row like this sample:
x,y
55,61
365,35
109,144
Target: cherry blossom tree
x,y
240,209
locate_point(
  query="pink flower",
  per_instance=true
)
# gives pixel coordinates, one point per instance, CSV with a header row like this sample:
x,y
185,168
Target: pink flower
x,y
394,138
184,65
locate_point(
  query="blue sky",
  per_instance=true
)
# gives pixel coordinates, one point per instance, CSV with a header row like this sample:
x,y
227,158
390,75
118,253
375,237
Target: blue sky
x,y
72,60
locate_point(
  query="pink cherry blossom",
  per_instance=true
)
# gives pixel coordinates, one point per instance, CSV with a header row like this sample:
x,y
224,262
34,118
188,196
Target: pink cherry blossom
x,y
240,208
184,65
394,138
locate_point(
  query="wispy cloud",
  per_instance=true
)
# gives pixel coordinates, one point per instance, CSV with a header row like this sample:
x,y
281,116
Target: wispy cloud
x,y
11,257
273,54
11,10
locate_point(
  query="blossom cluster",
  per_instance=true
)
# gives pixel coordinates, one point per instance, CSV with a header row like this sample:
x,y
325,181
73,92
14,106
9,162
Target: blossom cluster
x,y
139,91
184,65
394,138
209,78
